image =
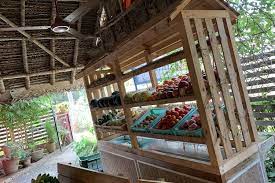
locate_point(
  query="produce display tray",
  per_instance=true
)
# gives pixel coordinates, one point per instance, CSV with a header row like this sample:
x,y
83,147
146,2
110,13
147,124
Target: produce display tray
x,y
160,112
172,130
194,133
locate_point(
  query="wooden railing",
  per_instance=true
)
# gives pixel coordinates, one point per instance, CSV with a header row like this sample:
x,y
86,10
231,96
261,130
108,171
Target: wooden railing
x,y
32,132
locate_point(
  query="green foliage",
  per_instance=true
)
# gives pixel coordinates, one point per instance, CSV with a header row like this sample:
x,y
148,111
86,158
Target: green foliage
x,y
85,147
16,149
255,26
34,145
45,178
270,165
50,132
22,112
23,154
63,132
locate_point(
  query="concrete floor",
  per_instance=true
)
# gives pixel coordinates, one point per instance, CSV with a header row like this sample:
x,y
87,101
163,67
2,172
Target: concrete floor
x,y
46,165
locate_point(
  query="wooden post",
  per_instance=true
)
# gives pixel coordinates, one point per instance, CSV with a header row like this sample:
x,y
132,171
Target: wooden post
x,y
152,73
191,55
225,87
127,111
2,86
90,97
76,50
24,46
241,82
52,46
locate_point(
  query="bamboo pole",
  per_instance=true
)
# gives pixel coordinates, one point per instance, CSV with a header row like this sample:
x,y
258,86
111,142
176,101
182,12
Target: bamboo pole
x,y
24,45
15,76
76,50
52,45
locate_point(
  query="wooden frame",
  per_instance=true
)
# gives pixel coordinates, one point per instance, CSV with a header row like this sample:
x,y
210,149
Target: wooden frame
x,y
207,42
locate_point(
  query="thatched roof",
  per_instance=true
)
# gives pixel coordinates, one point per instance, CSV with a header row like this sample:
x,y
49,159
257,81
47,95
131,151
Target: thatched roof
x,y
22,61
31,54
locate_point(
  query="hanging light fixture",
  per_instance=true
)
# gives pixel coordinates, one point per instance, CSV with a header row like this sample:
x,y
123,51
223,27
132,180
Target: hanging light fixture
x,y
59,26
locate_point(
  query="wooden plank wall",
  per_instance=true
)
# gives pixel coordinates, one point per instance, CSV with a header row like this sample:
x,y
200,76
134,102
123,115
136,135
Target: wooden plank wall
x,y
259,74
37,132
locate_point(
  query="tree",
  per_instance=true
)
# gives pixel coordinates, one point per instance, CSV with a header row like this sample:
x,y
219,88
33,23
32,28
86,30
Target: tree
x,y
254,29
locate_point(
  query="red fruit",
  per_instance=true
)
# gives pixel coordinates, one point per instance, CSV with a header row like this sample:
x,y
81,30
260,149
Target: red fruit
x,y
184,126
194,126
177,109
176,93
190,122
186,107
183,84
173,117
185,112
196,118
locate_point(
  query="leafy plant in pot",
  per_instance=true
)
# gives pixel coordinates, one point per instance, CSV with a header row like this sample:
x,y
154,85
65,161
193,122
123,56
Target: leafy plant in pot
x,y
36,152
51,137
25,158
11,163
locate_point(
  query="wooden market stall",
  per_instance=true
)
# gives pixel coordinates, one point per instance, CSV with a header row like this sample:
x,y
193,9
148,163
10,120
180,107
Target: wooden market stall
x,y
226,150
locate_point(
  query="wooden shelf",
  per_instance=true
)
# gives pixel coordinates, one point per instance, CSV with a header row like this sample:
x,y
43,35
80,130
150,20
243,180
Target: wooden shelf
x,y
101,85
162,101
197,140
106,108
111,128
154,65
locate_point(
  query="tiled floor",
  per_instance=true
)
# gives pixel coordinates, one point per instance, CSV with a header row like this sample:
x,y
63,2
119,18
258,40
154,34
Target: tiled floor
x,y
46,165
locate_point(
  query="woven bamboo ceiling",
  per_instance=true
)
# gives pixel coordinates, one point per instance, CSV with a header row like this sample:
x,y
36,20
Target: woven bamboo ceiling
x,y
30,53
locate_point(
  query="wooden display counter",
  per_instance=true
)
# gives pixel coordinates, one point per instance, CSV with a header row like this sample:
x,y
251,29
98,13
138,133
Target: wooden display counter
x,y
200,34
124,161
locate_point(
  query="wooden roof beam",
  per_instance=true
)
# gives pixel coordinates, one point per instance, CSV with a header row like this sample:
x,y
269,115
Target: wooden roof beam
x,y
2,86
81,11
76,50
52,45
43,73
25,28
6,20
24,45
39,38
71,31
72,0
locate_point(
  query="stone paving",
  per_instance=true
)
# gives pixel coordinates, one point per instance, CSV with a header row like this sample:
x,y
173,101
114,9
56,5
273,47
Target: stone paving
x,y
46,165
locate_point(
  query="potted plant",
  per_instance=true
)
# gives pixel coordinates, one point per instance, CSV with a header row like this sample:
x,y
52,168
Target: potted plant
x,y
6,149
51,137
25,158
86,150
11,163
36,152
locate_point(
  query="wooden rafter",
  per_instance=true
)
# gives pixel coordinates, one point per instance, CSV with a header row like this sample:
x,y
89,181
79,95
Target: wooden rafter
x,y
52,45
2,86
43,73
81,11
71,31
24,45
30,38
76,48
39,38
25,28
